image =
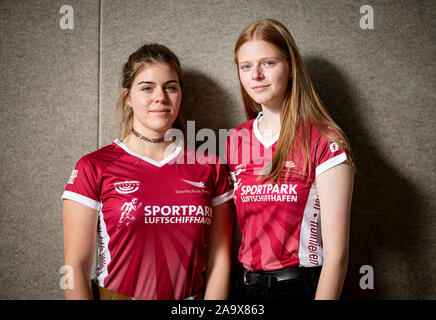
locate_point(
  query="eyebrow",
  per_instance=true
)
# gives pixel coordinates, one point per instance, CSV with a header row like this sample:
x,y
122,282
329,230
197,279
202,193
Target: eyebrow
x,y
263,58
150,82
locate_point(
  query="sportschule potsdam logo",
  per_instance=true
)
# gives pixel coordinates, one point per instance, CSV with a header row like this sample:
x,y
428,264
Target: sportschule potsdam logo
x,y
199,184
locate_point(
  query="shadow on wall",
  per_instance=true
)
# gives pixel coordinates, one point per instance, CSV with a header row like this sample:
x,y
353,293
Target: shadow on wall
x,y
207,103
385,211
211,107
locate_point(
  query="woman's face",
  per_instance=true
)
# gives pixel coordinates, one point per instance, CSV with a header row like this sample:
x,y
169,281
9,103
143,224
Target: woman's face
x,y
264,72
155,98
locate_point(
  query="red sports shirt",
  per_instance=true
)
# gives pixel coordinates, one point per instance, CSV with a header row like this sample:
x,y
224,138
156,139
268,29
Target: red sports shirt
x,y
280,223
153,218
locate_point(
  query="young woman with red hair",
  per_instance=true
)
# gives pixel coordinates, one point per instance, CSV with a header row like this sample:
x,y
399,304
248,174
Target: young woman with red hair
x,y
293,172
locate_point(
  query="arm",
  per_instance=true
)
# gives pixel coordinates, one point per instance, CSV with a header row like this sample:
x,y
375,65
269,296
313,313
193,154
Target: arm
x,y
80,225
218,253
236,240
335,188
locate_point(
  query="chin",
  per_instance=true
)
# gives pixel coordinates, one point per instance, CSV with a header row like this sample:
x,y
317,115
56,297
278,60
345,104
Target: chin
x,y
268,102
264,102
261,99
160,127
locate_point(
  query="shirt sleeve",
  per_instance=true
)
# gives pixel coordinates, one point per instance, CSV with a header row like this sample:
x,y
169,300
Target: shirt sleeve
x,y
327,155
82,185
223,185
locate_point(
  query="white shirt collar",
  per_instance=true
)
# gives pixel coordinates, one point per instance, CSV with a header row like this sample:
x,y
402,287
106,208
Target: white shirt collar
x,y
259,136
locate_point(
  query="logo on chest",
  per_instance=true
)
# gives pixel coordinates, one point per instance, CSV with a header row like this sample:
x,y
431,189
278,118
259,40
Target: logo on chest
x,y
126,186
198,184
200,187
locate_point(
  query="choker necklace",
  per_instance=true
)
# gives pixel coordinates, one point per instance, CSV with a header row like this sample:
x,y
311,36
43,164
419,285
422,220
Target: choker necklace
x,y
152,140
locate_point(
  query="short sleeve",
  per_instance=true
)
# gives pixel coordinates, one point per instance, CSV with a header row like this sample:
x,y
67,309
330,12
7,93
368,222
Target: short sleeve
x,y
223,185
327,155
83,184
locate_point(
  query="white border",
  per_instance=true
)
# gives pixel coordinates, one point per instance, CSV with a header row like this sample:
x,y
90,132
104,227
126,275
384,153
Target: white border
x,y
151,161
330,163
81,199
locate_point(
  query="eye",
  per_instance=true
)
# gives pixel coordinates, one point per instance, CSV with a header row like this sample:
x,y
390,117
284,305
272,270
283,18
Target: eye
x,y
171,88
146,89
269,63
245,67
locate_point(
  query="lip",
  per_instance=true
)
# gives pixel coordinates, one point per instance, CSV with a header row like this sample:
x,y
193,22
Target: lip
x,y
260,88
159,111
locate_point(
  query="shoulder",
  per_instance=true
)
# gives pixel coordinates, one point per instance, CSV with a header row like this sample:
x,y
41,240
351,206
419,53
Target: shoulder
x,y
326,151
248,125
244,129
101,157
322,134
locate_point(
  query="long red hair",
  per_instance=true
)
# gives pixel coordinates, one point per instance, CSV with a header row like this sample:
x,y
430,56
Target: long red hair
x,y
301,107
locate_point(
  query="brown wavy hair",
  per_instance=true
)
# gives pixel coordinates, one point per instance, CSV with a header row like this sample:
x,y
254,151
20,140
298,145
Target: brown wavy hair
x,y
301,107
146,55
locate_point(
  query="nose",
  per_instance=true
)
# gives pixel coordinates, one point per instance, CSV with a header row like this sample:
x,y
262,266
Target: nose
x,y
160,96
256,73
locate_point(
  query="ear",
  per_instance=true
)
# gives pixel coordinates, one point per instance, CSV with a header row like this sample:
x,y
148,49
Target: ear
x,y
126,96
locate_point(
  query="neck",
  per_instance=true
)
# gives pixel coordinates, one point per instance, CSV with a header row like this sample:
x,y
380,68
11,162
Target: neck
x,y
156,151
269,122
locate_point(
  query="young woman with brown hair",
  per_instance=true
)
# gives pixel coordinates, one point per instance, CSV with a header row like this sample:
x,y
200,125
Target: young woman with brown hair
x,y
164,224
293,184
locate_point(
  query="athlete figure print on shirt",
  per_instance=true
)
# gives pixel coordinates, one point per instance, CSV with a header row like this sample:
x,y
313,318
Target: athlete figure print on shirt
x,y
126,212
153,218
280,223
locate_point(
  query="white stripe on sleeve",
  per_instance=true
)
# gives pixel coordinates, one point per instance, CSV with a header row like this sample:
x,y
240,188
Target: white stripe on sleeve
x,y
330,163
81,199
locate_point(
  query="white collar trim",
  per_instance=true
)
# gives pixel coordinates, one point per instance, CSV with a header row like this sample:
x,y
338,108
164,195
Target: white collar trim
x,y
159,164
259,136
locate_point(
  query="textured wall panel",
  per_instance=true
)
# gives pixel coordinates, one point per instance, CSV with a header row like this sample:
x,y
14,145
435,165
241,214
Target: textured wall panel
x,y
48,120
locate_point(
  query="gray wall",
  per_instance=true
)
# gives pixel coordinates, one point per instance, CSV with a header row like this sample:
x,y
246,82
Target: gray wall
x,y
59,89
